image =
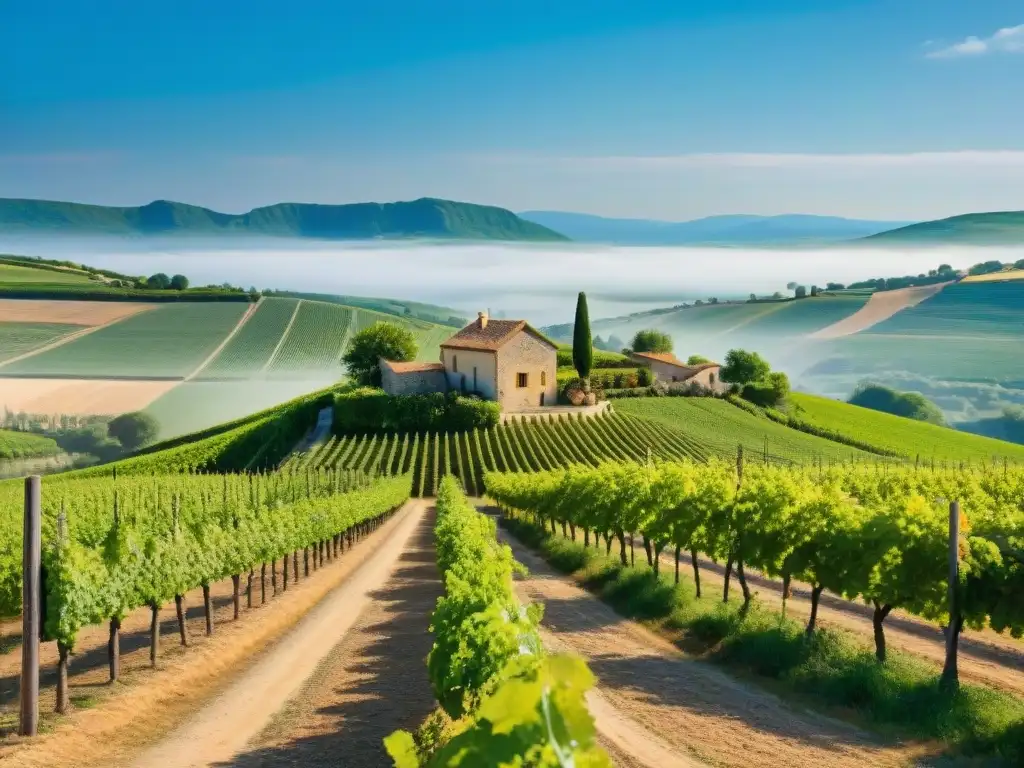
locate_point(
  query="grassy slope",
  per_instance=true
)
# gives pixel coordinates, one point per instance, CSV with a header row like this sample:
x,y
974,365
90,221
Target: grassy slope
x,y
18,445
720,427
908,437
10,273
1004,227
418,218
967,332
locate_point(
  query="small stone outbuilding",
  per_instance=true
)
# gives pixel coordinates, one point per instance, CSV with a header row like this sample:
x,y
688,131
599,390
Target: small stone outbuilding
x,y
412,378
669,369
507,361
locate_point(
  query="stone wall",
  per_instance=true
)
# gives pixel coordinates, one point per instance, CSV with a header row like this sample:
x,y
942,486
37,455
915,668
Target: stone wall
x,y
413,382
525,353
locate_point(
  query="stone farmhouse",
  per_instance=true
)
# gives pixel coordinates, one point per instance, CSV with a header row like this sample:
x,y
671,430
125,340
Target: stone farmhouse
x,y
670,370
507,361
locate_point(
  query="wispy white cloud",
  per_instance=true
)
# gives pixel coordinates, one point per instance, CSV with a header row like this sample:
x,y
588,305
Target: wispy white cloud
x,y
1005,40
782,160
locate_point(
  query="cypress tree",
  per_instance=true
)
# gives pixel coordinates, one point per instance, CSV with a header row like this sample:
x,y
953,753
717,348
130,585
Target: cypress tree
x,y
582,344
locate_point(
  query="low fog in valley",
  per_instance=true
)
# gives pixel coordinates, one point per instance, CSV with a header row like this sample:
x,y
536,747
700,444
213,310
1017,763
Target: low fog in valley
x,y
536,282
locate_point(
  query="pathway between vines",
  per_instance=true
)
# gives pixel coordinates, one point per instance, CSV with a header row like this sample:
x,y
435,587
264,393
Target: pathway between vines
x,y
221,730
698,712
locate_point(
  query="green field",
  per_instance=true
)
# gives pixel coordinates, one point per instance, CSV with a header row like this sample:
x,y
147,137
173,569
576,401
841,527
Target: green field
x,y
315,341
719,427
967,309
250,349
19,338
514,447
11,273
893,433
21,445
169,341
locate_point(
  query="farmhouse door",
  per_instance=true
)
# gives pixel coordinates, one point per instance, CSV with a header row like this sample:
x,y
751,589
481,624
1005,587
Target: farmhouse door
x,y
542,398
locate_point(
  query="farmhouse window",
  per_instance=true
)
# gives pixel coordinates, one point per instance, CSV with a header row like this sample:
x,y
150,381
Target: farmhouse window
x,y
455,363
543,378
711,378
522,380
474,379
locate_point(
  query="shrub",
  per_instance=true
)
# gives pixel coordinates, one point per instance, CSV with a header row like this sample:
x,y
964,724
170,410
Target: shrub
x,y
910,405
650,340
380,340
133,430
367,410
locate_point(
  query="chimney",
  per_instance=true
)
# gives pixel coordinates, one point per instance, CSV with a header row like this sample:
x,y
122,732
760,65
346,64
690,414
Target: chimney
x,y
482,316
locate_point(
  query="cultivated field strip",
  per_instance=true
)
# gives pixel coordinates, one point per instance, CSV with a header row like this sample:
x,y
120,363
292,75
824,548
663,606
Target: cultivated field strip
x,y
18,338
315,340
527,446
251,348
166,342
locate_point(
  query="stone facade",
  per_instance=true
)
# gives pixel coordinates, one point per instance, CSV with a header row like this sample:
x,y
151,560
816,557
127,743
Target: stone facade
x,y
538,360
477,367
670,371
404,379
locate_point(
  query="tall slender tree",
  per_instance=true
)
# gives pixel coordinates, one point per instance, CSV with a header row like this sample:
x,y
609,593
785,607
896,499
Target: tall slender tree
x,y
582,344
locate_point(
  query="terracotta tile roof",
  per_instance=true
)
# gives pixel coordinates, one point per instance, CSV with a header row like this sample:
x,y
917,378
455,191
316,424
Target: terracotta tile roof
x,y
492,337
687,371
662,357
413,367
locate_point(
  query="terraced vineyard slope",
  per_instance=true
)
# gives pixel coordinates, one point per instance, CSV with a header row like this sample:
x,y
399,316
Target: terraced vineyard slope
x,y
525,446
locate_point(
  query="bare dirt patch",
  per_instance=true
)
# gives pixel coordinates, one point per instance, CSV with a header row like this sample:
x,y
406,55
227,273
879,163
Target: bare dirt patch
x,y
371,683
881,306
86,313
83,397
114,722
701,713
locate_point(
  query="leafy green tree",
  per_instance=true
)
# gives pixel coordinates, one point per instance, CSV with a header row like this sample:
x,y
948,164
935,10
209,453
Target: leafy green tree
x,y
380,340
1018,264
652,341
158,282
910,405
742,367
801,291
133,430
697,360
179,282
582,343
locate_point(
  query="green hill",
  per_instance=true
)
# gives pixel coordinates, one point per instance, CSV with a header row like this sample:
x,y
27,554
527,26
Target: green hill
x,y
997,228
907,437
423,218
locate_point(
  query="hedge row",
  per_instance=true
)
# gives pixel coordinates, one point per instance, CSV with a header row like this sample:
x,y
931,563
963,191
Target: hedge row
x,y
372,411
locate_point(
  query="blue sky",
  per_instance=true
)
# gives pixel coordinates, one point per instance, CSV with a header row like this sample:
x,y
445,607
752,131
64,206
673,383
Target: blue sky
x,y
900,109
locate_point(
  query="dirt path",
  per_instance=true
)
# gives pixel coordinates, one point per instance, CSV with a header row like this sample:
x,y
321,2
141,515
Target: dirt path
x,y
222,728
881,306
227,339
985,657
371,683
698,711
113,723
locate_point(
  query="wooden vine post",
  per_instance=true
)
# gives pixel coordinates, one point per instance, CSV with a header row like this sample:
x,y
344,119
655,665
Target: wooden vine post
x,y
950,679
32,618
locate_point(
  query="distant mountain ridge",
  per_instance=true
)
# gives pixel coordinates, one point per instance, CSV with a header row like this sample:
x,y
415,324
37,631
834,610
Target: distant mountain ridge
x,y
733,229
996,228
425,218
